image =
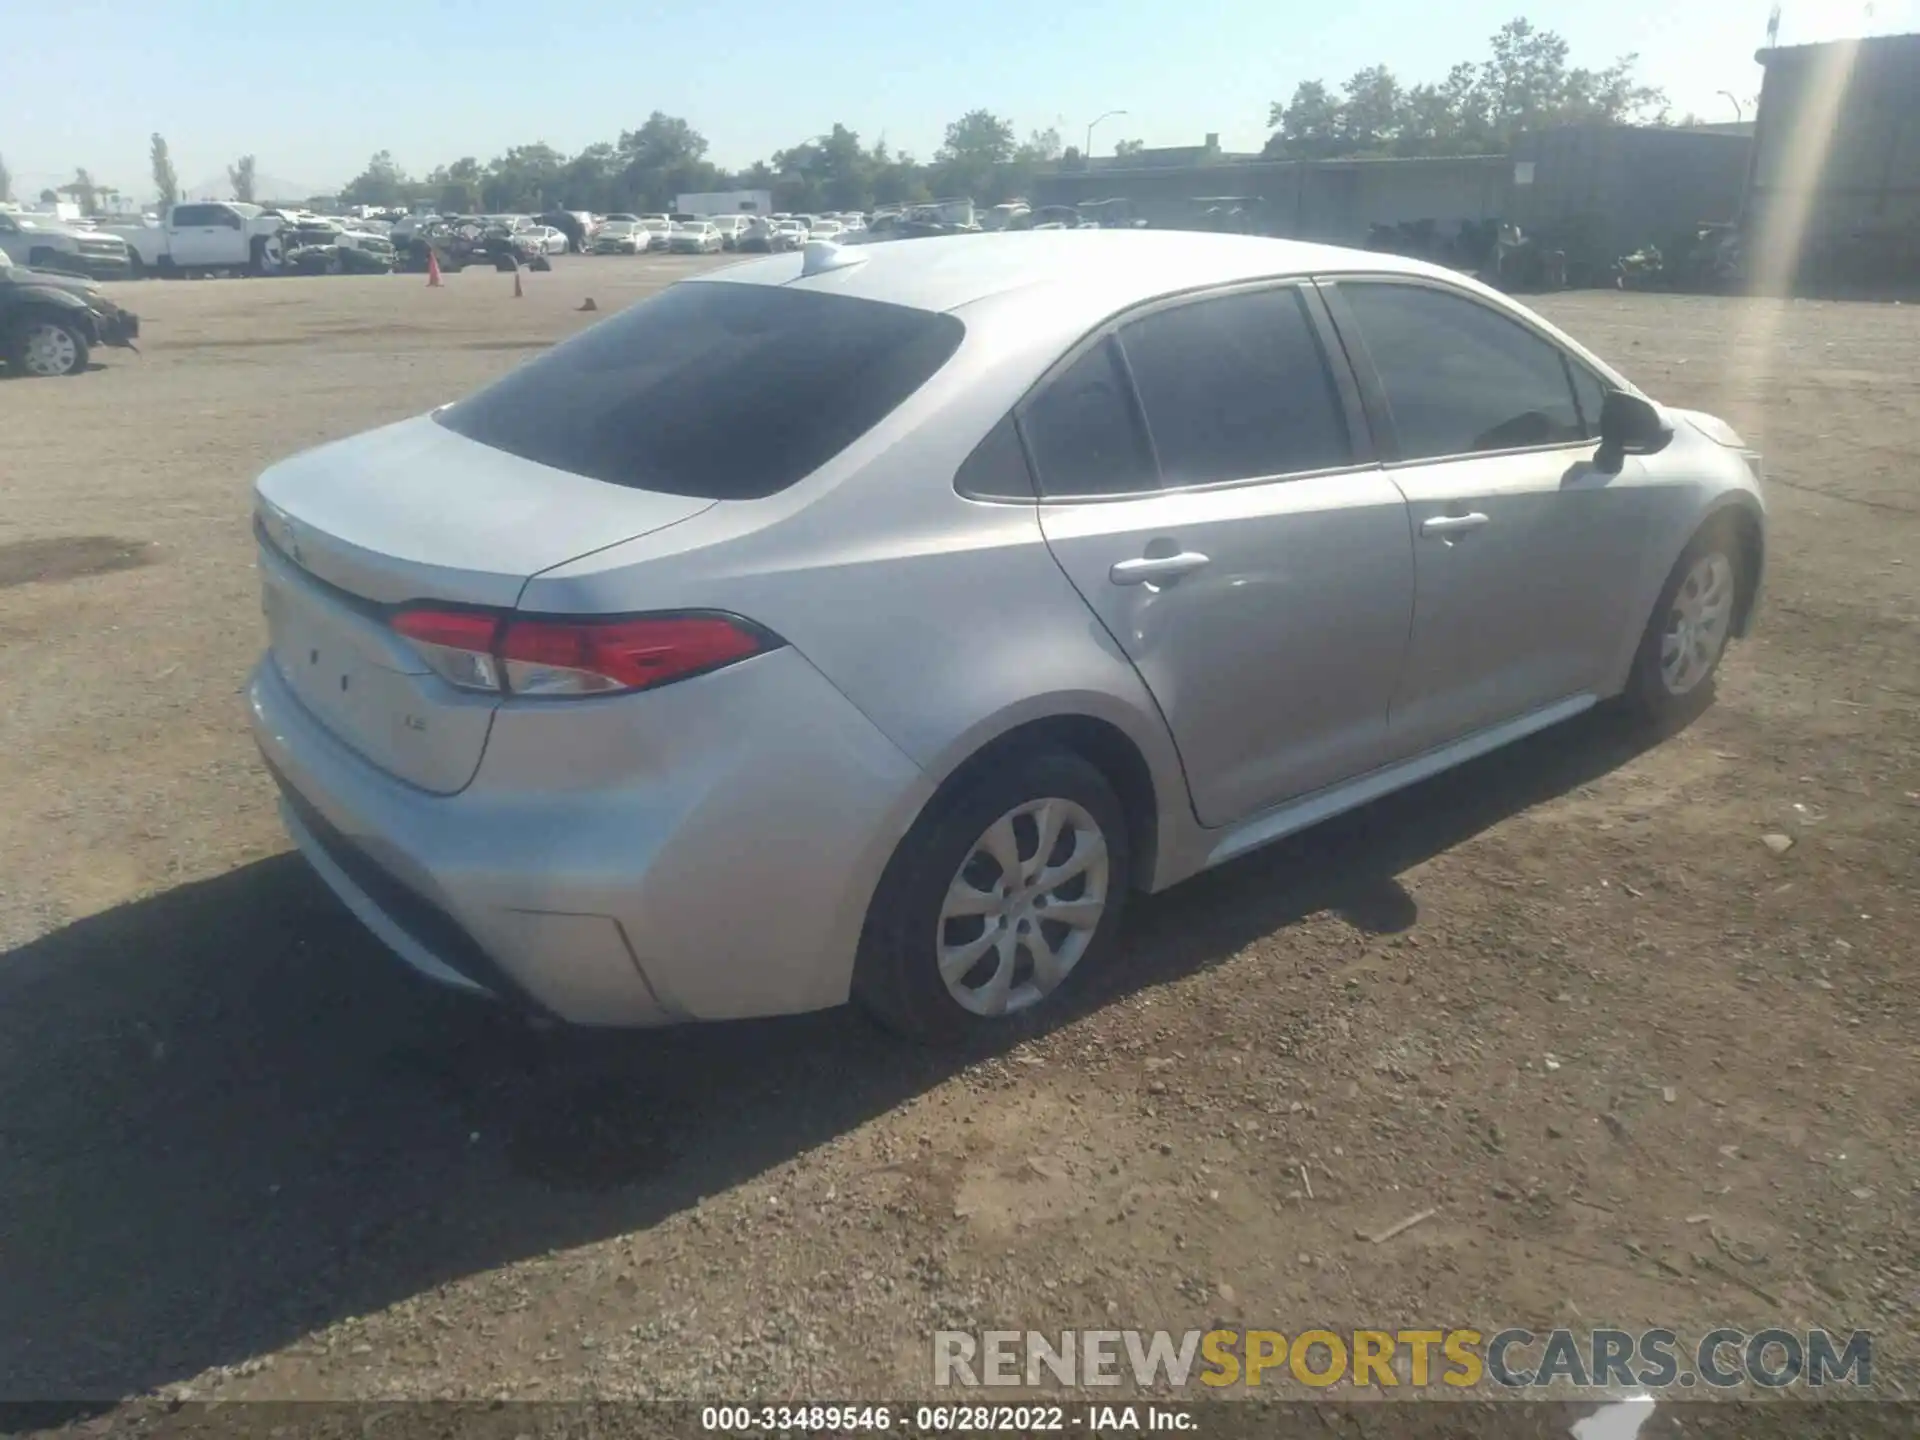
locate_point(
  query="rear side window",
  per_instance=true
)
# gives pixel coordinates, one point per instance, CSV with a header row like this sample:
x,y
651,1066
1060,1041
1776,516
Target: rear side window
x,y
185,215
1461,379
1236,388
1083,434
997,468
712,389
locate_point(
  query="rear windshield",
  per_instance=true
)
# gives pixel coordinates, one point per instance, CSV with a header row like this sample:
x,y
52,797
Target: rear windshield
x,y
712,389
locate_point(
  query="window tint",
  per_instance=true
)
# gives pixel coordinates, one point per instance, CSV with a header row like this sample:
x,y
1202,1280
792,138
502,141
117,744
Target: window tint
x,y
1236,387
997,469
1082,433
1589,393
1460,378
727,391
184,215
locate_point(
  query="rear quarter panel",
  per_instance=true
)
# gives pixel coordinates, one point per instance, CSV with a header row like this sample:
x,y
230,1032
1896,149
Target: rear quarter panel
x,y
945,621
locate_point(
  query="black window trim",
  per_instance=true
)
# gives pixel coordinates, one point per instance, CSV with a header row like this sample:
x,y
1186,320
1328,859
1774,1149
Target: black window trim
x,y
1360,431
1374,396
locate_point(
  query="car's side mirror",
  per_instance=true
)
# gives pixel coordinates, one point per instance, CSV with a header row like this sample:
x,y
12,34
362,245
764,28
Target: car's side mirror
x,y
1629,426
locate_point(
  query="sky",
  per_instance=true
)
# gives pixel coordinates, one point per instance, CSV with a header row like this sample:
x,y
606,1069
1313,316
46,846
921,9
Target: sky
x,y
312,90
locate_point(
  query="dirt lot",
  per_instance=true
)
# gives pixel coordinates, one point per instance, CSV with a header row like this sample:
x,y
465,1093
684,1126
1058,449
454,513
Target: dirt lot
x,y
1567,997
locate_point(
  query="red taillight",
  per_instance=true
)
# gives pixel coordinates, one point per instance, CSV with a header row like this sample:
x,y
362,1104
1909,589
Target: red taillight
x,y
564,657
452,629
478,651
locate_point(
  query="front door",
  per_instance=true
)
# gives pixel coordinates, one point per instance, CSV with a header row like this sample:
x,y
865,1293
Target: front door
x,y
1519,542
1206,488
205,235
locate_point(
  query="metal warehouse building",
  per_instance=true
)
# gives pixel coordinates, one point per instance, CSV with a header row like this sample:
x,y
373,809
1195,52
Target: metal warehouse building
x,y
1834,190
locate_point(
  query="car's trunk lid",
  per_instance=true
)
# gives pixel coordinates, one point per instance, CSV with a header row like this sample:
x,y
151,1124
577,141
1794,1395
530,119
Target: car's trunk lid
x,y
414,513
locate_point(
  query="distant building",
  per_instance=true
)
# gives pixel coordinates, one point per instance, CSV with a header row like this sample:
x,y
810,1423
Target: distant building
x,y
1330,200
725,202
1608,190
1834,187
1601,190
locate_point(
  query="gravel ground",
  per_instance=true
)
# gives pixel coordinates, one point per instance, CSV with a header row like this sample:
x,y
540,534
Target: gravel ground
x,y
1645,1068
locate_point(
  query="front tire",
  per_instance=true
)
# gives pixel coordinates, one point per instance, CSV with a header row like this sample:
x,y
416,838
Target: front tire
x,y
1678,661
47,346
1001,897
266,256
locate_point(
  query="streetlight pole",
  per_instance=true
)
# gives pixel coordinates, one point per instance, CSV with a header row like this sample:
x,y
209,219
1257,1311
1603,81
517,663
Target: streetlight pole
x,y
1739,111
1088,152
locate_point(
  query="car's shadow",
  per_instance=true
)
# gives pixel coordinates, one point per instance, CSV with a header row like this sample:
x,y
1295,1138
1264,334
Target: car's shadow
x,y
227,1117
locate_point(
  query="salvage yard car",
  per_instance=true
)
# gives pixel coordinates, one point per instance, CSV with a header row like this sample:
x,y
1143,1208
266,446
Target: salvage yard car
x,y
871,622
694,238
198,238
45,243
731,228
50,323
317,245
620,237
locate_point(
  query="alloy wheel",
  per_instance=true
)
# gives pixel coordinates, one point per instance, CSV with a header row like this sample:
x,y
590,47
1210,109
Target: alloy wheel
x,y
1023,907
1697,624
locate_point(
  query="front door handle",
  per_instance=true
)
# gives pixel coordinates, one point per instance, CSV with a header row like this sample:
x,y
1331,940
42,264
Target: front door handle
x,y
1448,524
1154,568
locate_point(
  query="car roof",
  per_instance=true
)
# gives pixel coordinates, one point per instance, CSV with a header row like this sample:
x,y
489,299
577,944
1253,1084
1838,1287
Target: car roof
x,y
1123,267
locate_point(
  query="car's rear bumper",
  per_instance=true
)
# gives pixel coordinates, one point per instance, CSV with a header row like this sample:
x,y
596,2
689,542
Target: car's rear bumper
x,y
703,852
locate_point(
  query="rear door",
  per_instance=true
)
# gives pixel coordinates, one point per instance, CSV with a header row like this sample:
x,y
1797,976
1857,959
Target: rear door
x,y
1207,486
1521,546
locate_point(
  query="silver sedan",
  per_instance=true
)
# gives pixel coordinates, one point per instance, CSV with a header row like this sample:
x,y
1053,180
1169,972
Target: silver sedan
x,y
871,622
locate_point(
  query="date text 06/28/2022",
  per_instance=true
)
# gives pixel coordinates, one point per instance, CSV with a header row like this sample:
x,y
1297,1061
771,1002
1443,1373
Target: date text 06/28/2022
x,y
960,1419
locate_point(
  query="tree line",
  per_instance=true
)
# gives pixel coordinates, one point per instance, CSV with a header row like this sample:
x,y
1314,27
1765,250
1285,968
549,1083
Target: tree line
x,y
647,167
1525,82
1477,108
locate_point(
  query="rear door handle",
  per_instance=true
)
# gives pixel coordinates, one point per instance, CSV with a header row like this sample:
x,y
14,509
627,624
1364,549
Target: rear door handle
x,y
1150,568
1448,524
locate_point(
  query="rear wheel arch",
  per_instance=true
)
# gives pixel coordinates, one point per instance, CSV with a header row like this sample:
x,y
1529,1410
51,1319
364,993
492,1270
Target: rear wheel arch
x,y
1102,744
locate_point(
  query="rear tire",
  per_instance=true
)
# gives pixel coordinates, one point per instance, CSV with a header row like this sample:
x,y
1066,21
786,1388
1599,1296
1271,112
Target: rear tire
x,y
956,942
266,256
1678,661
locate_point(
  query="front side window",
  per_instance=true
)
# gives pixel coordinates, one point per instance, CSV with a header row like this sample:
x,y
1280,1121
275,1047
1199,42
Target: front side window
x,y
1589,393
1461,379
713,389
1082,433
1236,387
185,215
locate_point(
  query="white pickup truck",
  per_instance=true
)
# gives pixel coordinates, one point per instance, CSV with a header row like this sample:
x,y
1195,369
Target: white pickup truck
x,y
201,236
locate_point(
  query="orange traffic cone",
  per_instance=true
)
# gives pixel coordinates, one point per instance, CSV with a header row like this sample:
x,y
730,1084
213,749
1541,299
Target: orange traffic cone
x,y
433,270
517,292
